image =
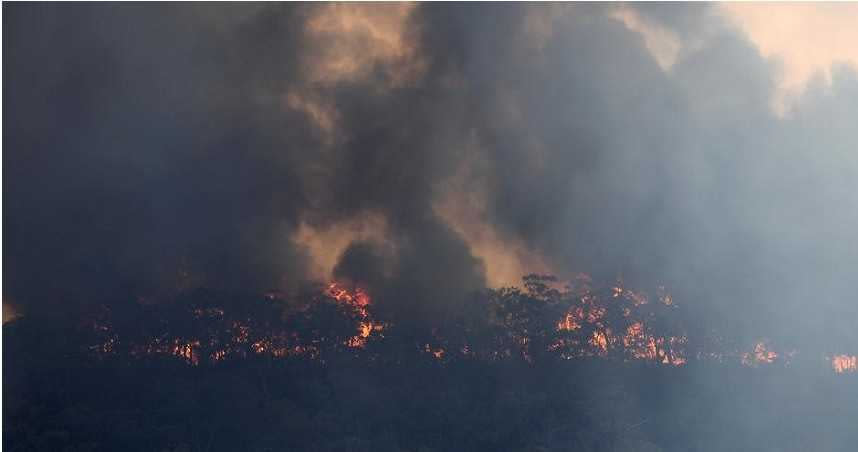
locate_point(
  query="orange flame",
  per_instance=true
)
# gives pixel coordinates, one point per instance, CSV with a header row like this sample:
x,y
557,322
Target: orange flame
x,y
762,354
569,322
590,315
360,300
844,363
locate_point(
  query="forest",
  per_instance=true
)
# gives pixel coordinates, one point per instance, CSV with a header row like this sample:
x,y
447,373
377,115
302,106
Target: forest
x,y
531,368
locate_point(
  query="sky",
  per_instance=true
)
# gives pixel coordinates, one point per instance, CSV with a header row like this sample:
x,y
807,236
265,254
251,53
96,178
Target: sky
x,y
429,150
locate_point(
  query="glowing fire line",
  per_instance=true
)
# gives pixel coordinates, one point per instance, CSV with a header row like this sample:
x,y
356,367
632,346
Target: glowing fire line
x,y
583,331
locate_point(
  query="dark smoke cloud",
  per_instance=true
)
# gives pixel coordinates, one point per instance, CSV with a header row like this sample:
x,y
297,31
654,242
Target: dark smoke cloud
x,y
137,154
149,149
153,147
606,163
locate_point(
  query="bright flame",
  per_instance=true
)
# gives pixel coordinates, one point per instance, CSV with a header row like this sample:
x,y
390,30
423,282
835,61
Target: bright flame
x,y
587,329
359,300
600,341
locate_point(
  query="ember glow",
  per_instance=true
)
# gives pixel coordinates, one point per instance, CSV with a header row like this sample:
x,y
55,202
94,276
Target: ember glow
x,y
612,324
638,341
229,337
760,355
357,298
360,301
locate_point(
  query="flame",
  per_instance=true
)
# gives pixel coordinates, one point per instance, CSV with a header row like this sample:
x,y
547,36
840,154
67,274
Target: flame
x,y
637,298
569,322
762,354
844,363
241,333
187,351
639,343
600,342
588,328
360,300
438,353
675,353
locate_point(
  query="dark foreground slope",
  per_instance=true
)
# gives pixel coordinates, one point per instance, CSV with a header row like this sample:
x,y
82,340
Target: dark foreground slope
x,y
57,400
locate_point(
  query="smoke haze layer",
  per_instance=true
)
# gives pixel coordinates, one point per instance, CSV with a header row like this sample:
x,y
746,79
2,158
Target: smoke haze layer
x,y
427,151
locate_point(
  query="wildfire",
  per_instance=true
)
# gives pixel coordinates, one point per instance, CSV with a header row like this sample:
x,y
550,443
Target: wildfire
x,y
360,300
844,363
600,342
641,345
611,324
762,354
438,353
636,298
357,298
186,351
665,350
635,342
240,332
569,323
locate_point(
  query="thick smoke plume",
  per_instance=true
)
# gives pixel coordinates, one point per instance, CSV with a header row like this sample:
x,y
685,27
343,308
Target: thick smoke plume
x,y
426,151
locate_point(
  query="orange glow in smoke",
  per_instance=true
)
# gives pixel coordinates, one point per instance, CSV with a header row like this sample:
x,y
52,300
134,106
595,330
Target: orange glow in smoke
x,y
641,345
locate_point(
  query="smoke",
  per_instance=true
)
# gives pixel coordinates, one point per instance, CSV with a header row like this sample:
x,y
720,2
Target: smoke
x,y
157,149
426,151
139,157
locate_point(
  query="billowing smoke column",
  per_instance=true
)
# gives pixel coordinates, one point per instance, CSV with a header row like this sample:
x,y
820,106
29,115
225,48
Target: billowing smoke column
x,y
427,152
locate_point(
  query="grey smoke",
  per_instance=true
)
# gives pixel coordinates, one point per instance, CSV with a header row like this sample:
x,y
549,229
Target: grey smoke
x,y
142,142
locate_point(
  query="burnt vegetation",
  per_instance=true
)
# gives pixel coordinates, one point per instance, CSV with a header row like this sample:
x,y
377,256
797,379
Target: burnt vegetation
x,y
541,367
